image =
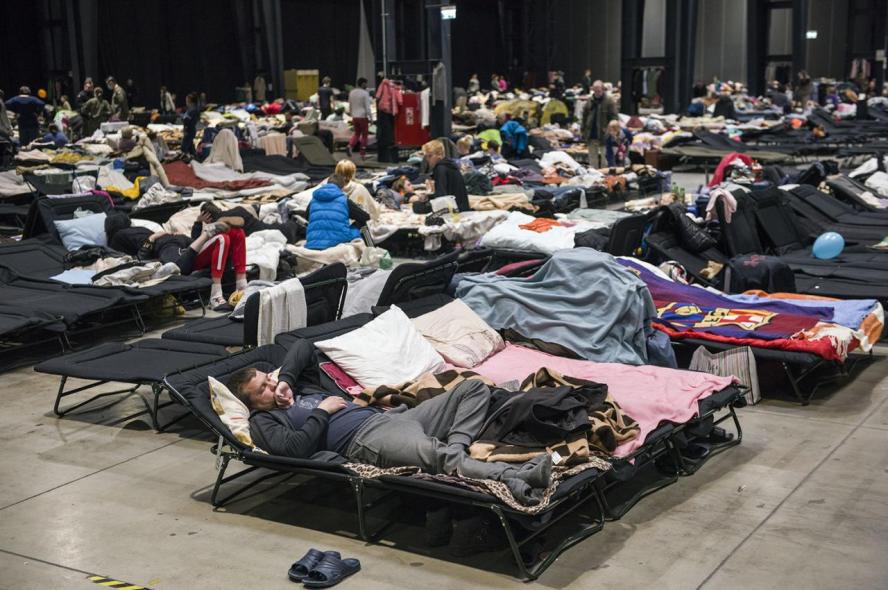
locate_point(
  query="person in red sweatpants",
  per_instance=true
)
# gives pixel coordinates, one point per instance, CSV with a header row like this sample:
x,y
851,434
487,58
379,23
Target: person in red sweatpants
x,y
360,105
215,252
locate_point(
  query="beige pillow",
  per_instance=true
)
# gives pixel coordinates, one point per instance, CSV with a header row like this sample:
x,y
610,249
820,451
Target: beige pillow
x,y
233,413
459,334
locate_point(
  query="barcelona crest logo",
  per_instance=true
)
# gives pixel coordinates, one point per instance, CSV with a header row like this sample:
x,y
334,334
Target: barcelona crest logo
x,y
689,315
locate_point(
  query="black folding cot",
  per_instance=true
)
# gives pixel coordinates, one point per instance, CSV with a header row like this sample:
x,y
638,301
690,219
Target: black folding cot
x,y
851,190
798,367
45,210
415,280
21,327
325,291
80,308
856,274
590,489
818,213
142,363
39,260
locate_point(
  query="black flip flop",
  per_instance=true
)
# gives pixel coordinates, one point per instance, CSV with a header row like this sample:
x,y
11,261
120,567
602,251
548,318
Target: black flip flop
x,y
299,570
330,571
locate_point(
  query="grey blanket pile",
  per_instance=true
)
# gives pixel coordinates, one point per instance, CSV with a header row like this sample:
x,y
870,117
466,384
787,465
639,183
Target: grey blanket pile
x,y
581,299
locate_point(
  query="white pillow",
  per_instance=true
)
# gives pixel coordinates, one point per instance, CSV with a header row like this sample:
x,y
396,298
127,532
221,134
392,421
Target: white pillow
x,y
459,334
233,413
147,224
84,231
388,350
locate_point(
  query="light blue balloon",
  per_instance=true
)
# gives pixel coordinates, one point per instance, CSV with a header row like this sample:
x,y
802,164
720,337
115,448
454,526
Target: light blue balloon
x,y
828,245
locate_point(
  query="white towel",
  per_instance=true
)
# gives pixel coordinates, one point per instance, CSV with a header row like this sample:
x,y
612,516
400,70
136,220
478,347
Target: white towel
x,y
281,308
225,151
264,250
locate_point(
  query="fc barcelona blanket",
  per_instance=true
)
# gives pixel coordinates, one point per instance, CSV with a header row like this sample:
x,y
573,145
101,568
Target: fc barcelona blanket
x,y
684,311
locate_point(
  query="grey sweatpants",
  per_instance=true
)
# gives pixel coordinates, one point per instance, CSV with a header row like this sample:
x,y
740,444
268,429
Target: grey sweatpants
x,y
434,436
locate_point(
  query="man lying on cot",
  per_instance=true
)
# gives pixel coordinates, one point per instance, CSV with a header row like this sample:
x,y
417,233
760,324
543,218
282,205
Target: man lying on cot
x,y
434,436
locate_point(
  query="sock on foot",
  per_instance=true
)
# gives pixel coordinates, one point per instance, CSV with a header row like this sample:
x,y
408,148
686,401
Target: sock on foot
x,y
522,491
537,472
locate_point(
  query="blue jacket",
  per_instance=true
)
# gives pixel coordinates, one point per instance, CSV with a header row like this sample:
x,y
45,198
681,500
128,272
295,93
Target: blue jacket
x,y
515,135
328,220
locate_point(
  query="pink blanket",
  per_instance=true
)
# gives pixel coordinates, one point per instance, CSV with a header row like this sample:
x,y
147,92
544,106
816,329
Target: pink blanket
x,y
651,395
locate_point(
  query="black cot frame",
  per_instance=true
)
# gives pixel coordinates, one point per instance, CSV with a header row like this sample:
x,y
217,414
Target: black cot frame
x,y
584,496
661,446
796,372
593,492
152,407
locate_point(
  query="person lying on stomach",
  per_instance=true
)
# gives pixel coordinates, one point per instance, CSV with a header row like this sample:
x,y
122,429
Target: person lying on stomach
x,y
434,436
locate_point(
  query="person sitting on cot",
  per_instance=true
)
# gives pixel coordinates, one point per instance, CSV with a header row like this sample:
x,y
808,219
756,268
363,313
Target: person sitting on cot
x,y
55,136
616,144
212,248
446,179
246,218
297,419
330,214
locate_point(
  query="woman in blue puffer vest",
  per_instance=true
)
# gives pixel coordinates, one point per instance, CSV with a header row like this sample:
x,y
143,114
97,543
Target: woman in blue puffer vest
x,y
329,219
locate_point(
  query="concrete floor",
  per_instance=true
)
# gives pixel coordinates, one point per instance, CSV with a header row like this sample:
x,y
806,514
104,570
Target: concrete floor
x,y
803,502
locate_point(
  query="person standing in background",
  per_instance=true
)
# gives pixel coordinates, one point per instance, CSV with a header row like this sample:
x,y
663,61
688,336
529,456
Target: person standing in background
x,y
119,103
260,88
616,144
28,109
474,85
360,106
804,88
85,94
599,111
325,98
189,121
586,82
95,111
167,105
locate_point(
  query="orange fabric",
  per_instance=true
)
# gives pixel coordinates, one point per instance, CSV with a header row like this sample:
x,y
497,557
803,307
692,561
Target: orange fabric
x,y
615,184
872,327
541,225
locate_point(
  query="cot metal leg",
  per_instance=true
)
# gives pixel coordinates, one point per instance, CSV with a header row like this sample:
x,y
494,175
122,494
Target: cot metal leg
x,y
795,381
616,512
139,320
531,572
62,393
222,479
156,391
684,468
366,535
203,304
